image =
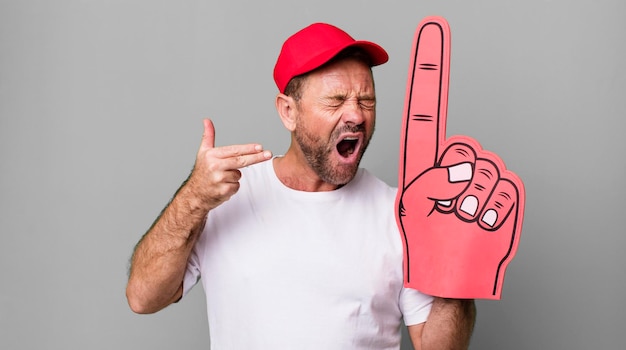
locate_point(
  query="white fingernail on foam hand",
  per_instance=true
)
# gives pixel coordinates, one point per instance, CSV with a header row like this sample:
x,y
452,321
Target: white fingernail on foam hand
x,y
490,217
460,172
469,205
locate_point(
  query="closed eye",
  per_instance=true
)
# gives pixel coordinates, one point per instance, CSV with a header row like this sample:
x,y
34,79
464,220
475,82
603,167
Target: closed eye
x,y
335,101
335,104
367,103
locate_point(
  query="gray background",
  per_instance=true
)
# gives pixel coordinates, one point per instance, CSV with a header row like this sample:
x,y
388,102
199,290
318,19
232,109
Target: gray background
x,y
101,105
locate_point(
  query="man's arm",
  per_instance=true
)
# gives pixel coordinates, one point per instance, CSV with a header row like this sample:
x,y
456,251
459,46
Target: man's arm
x,y
160,259
449,325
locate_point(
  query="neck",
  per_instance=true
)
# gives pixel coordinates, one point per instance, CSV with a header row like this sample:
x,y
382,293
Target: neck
x,y
294,172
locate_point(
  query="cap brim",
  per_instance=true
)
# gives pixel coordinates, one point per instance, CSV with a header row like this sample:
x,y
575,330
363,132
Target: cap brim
x,y
375,51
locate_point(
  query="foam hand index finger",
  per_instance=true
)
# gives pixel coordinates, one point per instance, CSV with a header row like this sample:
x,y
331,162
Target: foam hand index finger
x,y
426,101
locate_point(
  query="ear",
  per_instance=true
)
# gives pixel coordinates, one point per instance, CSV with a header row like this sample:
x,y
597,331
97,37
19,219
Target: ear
x,y
286,107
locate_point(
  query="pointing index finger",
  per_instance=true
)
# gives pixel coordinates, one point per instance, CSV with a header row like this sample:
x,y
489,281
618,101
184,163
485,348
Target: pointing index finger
x,y
426,101
239,156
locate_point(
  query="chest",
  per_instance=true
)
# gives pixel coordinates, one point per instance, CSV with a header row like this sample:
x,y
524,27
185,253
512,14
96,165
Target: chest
x,y
322,251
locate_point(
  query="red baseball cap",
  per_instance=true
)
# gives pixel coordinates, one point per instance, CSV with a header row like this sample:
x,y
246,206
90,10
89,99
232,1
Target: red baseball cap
x,y
315,45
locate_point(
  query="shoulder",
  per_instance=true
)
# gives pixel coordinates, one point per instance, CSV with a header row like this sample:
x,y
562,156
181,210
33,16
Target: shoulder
x,y
256,169
367,182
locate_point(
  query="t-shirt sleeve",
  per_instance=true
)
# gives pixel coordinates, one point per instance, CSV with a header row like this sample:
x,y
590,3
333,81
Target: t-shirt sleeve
x,y
192,273
415,306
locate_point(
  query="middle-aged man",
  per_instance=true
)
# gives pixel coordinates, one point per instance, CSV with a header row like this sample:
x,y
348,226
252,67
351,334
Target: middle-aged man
x,y
299,251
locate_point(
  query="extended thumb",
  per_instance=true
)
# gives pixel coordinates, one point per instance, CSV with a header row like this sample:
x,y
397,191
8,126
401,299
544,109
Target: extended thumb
x,y
208,137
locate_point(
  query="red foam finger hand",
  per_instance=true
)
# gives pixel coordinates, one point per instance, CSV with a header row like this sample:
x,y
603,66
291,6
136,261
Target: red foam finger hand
x,y
458,208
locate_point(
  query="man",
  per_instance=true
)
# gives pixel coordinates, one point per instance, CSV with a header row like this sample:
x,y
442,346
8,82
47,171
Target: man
x,y
302,250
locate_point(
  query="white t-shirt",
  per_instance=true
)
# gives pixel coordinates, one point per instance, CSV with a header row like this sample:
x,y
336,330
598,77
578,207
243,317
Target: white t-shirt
x,y
286,269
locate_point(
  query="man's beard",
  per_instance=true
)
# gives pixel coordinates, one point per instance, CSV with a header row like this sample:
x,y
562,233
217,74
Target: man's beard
x,y
318,154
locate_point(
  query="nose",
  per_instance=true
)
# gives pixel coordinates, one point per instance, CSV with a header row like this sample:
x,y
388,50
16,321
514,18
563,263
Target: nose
x,y
353,112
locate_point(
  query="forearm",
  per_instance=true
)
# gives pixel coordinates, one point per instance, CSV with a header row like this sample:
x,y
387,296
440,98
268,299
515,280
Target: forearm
x,y
449,325
160,258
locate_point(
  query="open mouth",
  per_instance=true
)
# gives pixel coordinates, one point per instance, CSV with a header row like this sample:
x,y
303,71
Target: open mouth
x,y
347,146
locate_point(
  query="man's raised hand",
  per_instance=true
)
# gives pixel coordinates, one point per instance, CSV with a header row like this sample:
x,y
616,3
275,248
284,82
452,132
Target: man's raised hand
x,y
215,176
